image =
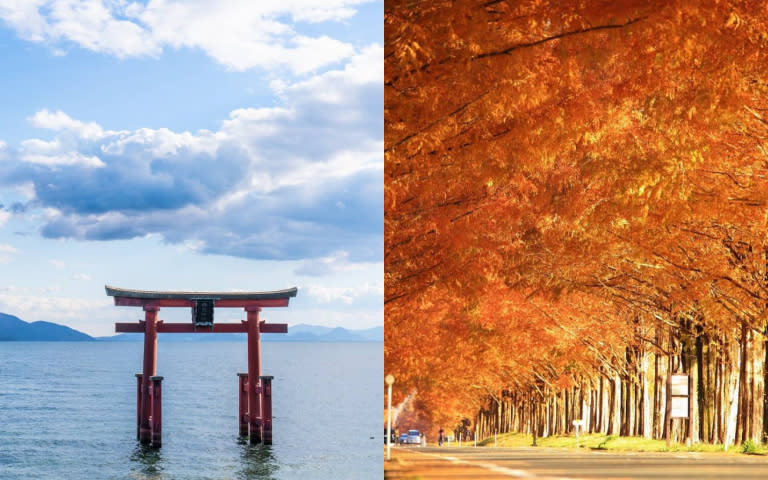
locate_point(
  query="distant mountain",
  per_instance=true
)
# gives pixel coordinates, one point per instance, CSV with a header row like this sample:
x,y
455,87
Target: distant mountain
x,y
177,337
296,333
313,333
375,334
302,328
14,329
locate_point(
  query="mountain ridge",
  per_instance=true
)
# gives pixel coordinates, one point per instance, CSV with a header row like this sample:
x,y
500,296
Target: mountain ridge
x,y
12,328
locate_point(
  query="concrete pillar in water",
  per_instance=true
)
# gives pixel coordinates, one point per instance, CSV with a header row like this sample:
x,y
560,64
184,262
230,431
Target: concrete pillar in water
x,y
266,408
243,403
157,411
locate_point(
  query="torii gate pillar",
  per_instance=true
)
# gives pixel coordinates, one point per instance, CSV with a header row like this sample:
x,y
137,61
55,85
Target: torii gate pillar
x,y
149,370
254,372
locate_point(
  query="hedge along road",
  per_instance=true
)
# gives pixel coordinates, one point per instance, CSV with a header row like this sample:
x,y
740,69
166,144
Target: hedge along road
x,y
430,463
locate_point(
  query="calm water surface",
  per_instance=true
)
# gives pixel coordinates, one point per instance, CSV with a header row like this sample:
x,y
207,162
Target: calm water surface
x,y
68,410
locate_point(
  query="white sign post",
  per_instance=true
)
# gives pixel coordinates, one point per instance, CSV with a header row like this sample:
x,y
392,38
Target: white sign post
x,y
389,379
680,398
578,424
679,401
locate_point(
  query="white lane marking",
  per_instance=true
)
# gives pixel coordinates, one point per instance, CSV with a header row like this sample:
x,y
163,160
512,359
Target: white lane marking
x,y
489,466
512,472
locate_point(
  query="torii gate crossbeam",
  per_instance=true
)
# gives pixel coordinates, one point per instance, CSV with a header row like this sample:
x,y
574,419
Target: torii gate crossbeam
x,y
255,394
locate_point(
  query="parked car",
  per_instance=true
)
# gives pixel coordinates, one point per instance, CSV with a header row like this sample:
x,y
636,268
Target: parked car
x,y
413,437
403,439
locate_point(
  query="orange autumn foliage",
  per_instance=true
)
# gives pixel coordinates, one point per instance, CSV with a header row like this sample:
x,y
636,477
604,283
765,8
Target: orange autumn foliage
x,y
560,176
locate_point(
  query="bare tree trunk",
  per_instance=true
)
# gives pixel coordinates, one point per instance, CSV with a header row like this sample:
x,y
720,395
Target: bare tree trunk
x,y
615,422
533,420
668,403
764,437
757,389
731,399
646,403
718,426
692,367
603,405
703,401
586,408
742,404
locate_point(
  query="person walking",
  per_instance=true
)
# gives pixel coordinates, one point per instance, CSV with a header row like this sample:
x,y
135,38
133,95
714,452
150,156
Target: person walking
x,y
440,437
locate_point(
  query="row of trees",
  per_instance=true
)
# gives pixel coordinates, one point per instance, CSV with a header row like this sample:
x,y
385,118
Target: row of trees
x,y
575,205
728,392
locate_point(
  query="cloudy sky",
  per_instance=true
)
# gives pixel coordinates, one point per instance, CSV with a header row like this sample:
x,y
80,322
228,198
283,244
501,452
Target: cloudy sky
x,y
191,145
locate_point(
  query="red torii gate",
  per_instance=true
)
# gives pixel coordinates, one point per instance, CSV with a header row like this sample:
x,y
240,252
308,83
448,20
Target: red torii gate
x,y
255,393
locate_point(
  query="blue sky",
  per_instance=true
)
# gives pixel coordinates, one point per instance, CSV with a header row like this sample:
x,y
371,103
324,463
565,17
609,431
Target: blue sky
x,y
191,145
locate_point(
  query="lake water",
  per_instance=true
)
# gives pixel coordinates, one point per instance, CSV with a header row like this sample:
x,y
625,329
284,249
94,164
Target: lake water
x,y
68,411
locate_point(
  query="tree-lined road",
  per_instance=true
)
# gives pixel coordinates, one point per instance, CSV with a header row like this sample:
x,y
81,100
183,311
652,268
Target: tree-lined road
x,y
575,207
541,463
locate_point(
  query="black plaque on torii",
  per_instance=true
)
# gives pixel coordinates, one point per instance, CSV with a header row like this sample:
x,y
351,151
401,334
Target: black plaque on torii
x,y
202,312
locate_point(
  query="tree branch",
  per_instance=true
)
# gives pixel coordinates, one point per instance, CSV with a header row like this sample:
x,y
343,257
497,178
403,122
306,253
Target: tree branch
x,y
511,49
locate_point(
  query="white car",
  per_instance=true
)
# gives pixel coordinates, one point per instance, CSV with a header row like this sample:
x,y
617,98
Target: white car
x,y
413,438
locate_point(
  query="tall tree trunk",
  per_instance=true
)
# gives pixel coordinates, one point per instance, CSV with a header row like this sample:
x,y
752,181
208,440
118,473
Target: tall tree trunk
x,y
646,404
691,355
533,420
702,397
656,397
668,403
742,404
764,437
615,422
757,387
731,397
717,366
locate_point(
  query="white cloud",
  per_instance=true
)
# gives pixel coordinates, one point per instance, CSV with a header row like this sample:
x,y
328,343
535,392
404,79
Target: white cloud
x,y
4,217
64,159
8,249
25,190
346,295
48,305
25,18
303,179
61,151
161,142
343,163
58,264
81,276
365,67
338,262
256,123
92,24
240,34
318,267
59,120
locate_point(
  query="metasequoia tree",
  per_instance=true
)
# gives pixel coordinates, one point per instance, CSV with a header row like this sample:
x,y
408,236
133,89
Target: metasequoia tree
x,y
575,205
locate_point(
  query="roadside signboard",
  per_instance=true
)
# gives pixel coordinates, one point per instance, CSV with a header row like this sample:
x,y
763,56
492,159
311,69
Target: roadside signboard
x,y
680,385
679,407
679,392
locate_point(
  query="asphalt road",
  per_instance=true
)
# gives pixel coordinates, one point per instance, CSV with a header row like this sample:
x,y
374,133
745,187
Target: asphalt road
x,y
430,463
